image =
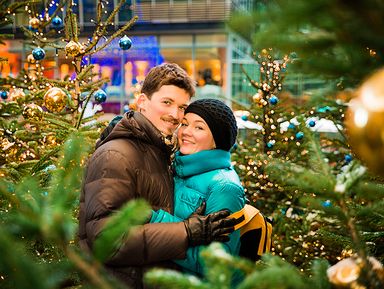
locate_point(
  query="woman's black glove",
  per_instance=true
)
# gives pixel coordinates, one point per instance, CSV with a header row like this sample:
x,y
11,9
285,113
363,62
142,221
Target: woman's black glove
x,y
203,230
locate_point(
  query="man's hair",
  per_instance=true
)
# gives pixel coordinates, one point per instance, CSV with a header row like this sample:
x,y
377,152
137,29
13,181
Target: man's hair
x,y
167,74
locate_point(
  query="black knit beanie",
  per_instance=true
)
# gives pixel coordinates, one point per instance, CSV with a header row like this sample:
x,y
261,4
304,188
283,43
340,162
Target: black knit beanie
x,y
220,119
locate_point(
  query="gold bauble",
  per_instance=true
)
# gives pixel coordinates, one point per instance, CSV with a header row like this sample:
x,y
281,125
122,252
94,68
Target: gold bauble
x,y
73,48
365,123
31,59
55,99
32,112
50,139
16,94
345,272
34,23
258,96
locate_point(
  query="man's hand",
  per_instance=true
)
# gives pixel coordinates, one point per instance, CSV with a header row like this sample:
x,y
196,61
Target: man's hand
x,y
203,230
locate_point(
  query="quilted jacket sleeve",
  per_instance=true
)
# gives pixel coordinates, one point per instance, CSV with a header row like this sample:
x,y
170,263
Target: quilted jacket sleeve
x,y
161,216
106,188
222,196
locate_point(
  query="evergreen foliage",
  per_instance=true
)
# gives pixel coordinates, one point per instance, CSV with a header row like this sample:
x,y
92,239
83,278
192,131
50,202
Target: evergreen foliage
x,y
45,143
326,208
335,40
273,272
39,112
315,199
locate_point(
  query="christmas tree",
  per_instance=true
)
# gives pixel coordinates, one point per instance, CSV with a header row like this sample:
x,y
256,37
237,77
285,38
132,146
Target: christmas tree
x,y
37,112
45,139
327,200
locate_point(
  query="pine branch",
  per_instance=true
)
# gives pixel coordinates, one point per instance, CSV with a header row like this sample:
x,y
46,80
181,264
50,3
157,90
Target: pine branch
x,y
118,228
101,28
128,25
79,120
169,279
91,271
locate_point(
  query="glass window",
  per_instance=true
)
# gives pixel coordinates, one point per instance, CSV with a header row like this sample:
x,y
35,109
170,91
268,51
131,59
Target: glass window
x,y
181,56
178,49
10,51
90,9
211,40
75,6
210,59
125,12
205,62
176,41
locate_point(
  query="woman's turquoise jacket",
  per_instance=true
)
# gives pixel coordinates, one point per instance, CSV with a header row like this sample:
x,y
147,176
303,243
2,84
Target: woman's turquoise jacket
x,y
204,176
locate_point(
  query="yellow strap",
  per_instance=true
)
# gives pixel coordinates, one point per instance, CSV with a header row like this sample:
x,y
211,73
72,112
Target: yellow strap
x,y
248,212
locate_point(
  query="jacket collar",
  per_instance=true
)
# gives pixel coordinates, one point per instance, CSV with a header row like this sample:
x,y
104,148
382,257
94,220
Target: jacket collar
x,y
200,162
135,125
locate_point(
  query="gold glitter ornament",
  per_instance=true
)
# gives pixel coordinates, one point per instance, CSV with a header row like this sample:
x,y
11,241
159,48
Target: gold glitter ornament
x,y
345,273
50,139
31,59
32,112
258,96
55,99
365,123
6,144
34,23
73,48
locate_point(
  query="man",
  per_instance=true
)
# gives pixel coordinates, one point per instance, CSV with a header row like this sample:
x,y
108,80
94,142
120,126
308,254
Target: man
x,y
133,161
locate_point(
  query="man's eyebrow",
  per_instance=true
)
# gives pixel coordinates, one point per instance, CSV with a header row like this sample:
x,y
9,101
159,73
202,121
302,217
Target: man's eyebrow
x,y
168,98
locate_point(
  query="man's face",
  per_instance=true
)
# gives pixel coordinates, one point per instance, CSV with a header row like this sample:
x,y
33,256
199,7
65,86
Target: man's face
x,y
166,107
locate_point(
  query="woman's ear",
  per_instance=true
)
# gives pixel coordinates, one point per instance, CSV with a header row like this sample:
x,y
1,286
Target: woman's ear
x,y
142,102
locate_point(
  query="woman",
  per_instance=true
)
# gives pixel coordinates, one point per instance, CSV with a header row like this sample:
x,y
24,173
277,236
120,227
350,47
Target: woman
x,y
203,171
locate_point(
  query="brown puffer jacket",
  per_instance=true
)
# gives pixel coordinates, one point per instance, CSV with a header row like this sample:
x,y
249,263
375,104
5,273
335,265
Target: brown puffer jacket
x,y
132,162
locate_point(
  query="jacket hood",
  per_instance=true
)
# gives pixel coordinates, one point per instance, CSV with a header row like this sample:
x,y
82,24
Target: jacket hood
x,y
136,126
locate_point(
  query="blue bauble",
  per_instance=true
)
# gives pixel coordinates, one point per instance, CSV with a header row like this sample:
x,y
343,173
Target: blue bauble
x,y
244,117
291,126
57,22
32,29
3,94
326,204
38,53
100,96
269,145
299,135
273,100
125,43
324,109
312,123
348,158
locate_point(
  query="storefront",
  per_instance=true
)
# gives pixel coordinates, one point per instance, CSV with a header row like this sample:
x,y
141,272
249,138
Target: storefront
x,y
220,54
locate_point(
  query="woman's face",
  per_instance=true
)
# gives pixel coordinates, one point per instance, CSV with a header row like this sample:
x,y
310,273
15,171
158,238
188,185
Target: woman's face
x,y
194,135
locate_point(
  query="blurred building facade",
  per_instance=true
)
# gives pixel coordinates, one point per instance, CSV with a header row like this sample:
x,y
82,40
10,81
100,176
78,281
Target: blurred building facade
x,y
191,33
